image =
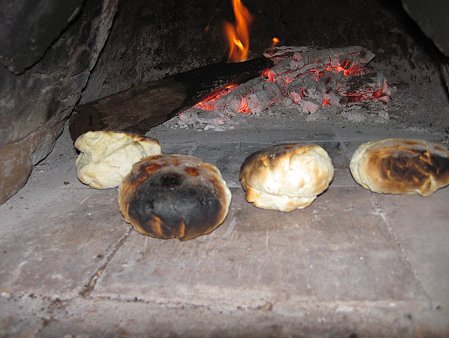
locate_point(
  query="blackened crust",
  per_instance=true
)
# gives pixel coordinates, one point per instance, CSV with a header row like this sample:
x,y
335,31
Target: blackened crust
x,y
401,166
172,196
173,200
412,170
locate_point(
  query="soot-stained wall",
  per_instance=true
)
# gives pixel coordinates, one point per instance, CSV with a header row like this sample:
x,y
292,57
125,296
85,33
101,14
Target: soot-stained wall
x,y
47,50
151,39
50,51
432,16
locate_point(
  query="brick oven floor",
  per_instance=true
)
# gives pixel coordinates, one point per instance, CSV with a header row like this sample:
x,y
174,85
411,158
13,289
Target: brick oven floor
x,y
353,264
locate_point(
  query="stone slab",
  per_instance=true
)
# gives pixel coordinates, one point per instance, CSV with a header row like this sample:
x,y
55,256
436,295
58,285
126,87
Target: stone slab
x,y
267,130
23,317
37,317
350,264
421,228
265,133
54,240
335,250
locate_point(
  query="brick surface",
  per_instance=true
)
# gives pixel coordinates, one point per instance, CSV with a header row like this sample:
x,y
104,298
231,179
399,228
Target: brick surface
x,y
354,263
337,249
115,318
421,227
60,240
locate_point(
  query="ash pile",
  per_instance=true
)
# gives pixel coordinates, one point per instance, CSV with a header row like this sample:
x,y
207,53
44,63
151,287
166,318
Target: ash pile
x,y
307,82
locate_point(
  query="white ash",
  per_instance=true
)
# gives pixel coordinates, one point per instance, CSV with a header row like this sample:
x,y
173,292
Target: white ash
x,y
319,60
304,81
279,53
257,95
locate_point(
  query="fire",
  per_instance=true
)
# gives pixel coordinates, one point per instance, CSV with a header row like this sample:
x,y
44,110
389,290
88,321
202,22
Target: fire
x,y
326,102
244,109
238,34
267,73
346,68
208,103
274,42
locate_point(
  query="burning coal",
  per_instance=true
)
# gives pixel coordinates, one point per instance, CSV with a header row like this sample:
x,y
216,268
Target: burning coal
x,y
307,79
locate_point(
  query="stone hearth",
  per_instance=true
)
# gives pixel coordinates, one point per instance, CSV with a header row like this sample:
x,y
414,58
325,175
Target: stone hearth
x,y
354,263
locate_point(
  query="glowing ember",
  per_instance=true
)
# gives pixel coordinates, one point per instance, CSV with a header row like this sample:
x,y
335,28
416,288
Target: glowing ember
x,y
208,103
265,72
244,107
379,93
274,42
346,68
268,74
326,102
302,78
238,34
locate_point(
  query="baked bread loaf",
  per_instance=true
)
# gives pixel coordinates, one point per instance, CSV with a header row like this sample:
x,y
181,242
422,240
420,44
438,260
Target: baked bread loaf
x,y
287,176
107,156
174,196
401,166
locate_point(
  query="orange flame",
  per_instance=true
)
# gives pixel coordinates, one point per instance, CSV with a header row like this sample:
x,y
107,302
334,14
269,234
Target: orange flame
x,y
326,102
208,103
274,42
346,67
238,34
244,109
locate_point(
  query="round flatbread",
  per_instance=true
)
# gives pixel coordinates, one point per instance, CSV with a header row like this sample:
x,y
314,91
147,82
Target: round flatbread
x,y
401,166
174,196
287,176
107,156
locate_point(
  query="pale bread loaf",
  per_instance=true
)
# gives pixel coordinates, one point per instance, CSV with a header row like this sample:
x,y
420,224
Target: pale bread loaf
x,y
401,166
107,157
287,176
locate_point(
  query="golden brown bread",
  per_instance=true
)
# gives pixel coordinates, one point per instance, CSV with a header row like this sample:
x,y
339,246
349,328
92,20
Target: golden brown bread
x,y
107,156
401,166
174,196
287,176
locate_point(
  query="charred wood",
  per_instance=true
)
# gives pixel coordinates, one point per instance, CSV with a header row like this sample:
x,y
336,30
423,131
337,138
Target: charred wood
x,y
144,106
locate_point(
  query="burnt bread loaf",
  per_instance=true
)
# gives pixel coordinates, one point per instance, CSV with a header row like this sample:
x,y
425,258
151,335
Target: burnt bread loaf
x,y
286,176
174,196
107,156
401,166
